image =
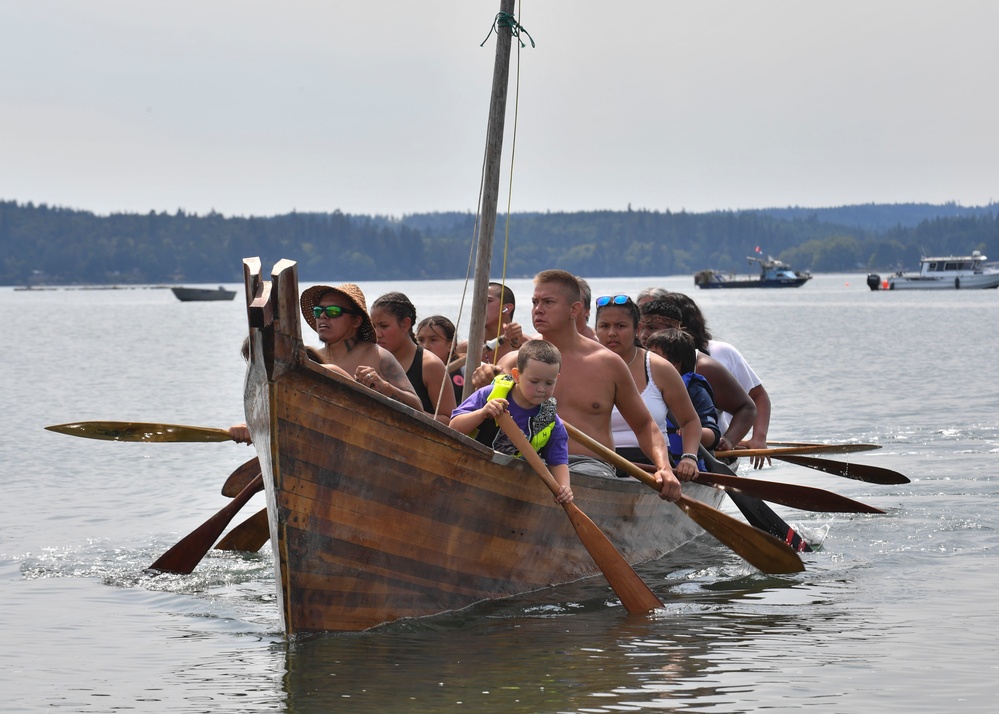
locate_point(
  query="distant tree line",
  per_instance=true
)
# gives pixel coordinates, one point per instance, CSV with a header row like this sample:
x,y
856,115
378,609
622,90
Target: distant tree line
x,y
50,245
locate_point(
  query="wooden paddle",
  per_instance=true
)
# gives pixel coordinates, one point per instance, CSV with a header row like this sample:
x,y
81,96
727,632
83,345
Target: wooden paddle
x,y
777,451
857,472
141,431
634,594
240,477
249,536
757,512
760,549
185,556
843,448
805,498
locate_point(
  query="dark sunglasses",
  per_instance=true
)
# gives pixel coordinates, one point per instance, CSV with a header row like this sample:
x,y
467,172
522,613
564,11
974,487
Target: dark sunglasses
x,y
616,299
332,311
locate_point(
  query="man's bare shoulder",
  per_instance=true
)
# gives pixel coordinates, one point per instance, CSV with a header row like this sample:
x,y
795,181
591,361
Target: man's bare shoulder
x,y
587,349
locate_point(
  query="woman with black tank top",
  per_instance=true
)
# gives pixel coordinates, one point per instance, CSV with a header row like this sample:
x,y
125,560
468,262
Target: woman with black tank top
x,y
393,316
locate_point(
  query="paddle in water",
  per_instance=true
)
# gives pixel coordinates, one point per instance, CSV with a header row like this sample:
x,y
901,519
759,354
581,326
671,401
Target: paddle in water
x,y
758,513
634,594
758,548
805,498
184,557
857,472
248,536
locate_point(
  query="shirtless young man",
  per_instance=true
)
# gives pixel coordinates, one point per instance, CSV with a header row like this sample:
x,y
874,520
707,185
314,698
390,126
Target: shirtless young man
x,y
593,379
340,317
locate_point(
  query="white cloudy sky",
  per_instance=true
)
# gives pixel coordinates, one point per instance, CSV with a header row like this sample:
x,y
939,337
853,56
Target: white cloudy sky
x,y
254,108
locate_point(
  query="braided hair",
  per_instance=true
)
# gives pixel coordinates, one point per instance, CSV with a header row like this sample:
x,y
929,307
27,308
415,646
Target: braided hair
x,y
400,306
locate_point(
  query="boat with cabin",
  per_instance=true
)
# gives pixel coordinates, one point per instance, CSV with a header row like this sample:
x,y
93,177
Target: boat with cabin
x,y
964,272
203,294
773,274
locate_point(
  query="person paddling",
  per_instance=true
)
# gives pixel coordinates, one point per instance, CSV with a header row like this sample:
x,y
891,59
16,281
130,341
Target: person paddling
x,y
593,380
527,395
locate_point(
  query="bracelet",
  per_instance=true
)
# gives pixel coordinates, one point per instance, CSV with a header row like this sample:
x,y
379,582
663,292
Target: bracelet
x,y
692,457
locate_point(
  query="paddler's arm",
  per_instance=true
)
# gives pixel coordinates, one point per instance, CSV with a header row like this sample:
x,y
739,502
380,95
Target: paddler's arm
x,y
732,398
467,422
761,426
561,474
650,438
677,400
485,373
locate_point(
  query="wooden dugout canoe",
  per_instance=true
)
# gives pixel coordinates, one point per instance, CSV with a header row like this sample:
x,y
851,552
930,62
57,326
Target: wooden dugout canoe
x,y
378,512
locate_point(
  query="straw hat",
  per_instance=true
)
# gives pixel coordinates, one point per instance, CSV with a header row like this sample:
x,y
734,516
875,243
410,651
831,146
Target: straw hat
x,y
312,296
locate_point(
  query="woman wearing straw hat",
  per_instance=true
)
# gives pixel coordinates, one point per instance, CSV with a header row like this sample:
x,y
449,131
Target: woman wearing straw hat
x,y
339,315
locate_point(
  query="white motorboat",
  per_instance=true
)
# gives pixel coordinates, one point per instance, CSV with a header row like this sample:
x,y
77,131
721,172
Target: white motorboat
x,y
967,272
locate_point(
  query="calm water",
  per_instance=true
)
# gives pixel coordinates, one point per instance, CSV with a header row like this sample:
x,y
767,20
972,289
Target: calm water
x,y
895,612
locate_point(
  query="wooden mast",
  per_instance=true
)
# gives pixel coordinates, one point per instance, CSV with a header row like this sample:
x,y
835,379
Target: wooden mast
x,y
490,192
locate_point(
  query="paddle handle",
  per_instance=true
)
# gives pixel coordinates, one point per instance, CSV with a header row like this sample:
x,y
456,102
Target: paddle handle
x,y
141,431
797,449
613,457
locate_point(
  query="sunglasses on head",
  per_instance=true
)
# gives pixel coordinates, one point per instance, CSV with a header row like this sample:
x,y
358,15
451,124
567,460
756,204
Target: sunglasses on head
x,y
332,311
616,300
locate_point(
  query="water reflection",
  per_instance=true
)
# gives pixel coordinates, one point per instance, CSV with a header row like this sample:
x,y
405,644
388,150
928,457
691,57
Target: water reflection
x,y
573,649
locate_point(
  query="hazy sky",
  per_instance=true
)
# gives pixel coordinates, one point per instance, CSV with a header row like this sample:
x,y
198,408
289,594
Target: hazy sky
x,y
256,108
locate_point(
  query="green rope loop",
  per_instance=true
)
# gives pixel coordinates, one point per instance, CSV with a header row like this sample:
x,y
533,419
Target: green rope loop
x,y
505,19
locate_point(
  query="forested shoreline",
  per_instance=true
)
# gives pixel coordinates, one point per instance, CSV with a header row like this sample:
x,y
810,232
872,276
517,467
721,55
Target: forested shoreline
x,y
43,245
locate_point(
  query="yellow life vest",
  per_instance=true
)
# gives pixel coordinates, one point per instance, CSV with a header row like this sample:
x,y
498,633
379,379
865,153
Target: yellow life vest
x,y
502,384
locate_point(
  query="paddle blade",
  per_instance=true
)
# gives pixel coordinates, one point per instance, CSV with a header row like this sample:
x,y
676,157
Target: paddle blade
x,y
634,594
248,536
630,589
141,431
184,557
756,511
857,472
806,498
240,477
759,549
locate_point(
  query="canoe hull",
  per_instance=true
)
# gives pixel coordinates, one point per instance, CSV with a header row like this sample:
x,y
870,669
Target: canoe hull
x,y
378,512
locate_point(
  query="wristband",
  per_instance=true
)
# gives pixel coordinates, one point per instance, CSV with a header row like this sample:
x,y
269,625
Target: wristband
x,y
692,457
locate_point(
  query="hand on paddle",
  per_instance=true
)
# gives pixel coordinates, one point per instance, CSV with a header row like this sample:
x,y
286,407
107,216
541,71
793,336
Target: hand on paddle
x,y
240,433
494,409
669,486
685,470
758,462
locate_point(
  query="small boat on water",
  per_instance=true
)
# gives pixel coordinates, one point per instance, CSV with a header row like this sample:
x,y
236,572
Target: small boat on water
x,y
773,274
203,294
378,512
967,272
